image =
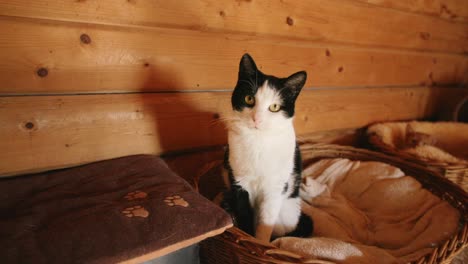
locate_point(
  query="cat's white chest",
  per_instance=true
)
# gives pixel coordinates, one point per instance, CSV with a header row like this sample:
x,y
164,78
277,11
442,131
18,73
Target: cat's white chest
x,y
262,162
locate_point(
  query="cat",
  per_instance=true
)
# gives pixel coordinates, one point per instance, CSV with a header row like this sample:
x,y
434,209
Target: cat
x,y
262,158
426,147
415,139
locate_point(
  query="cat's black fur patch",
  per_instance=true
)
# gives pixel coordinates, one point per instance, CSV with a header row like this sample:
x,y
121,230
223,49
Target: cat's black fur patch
x,y
304,228
227,166
297,172
285,188
236,203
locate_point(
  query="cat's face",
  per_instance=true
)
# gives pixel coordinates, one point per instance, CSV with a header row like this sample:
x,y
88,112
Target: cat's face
x,y
415,139
263,102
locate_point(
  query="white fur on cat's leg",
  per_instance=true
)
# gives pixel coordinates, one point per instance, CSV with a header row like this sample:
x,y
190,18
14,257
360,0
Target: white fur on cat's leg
x,y
269,205
288,217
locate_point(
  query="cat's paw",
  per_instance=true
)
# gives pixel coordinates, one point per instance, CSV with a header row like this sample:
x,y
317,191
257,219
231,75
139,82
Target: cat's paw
x,y
136,195
135,211
176,200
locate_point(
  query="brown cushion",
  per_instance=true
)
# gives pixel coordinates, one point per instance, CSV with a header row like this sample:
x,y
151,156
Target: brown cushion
x,y
131,208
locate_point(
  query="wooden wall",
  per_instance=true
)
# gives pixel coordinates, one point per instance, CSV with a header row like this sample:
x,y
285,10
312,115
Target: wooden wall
x,y
89,80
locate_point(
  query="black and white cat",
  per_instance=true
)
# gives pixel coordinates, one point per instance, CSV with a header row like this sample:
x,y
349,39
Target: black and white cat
x,y
262,159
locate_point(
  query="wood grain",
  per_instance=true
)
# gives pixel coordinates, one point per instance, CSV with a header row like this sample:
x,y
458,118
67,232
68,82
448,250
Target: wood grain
x,y
43,132
337,21
452,10
54,57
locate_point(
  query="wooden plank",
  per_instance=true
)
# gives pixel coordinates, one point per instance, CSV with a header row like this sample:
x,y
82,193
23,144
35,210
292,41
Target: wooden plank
x,y
336,21
43,132
452,10
130,59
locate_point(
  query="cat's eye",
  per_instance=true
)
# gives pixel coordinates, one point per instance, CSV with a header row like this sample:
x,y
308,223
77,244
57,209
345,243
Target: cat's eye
x,y
274,107
250,100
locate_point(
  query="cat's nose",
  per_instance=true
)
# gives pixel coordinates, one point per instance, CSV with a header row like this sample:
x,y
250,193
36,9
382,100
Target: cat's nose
x,y
257,121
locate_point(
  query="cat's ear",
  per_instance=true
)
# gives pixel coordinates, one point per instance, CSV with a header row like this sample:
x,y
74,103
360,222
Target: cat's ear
x,y
247,67
295,82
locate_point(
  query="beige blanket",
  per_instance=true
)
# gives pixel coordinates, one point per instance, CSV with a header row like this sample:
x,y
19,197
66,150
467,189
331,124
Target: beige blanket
x,y
369,212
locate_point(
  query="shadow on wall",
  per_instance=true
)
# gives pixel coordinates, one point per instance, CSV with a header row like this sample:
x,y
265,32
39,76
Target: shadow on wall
x,y
182,121
457,97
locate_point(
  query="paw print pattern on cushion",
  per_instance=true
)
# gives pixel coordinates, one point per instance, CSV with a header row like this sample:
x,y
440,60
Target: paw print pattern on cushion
x,y
135,211
176,200
136,195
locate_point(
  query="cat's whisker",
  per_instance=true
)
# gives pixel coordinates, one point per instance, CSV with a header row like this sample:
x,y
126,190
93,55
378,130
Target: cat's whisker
x,y
280,90
256,77
225,120
214,122
217,121
249,82
246,81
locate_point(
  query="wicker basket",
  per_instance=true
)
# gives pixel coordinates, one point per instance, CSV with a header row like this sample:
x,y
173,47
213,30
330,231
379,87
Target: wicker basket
x,y
456,172
236,246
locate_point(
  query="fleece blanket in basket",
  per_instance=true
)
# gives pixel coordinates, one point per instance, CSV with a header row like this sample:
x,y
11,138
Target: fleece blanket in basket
x,y
369,212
